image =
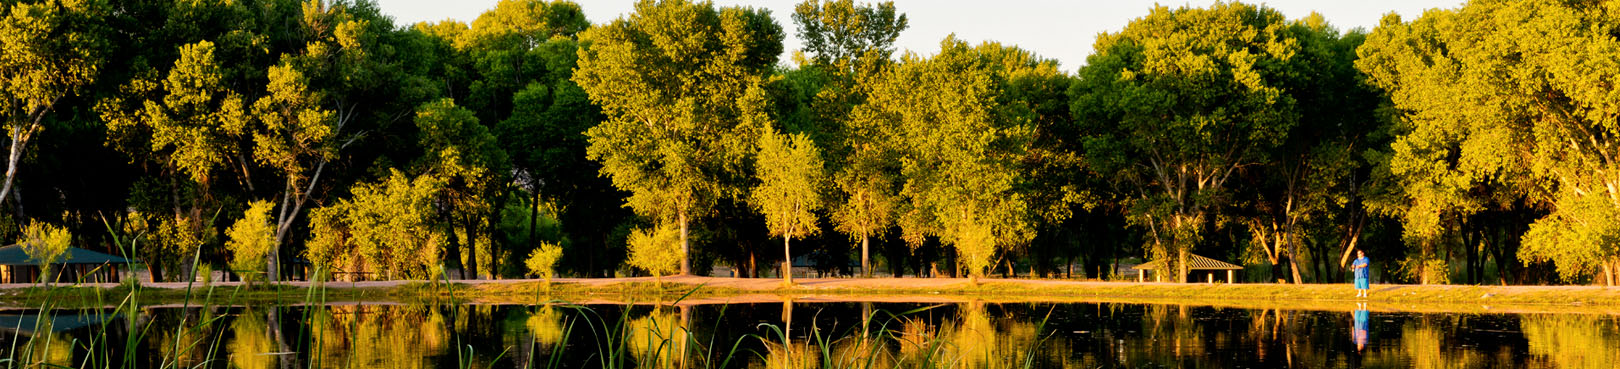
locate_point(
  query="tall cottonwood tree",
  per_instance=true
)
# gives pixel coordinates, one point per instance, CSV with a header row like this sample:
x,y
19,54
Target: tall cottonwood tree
x,y
791,181
1313,181
848,45
1177,103
960,150
671,78
313,100
524,53
296,137
49,50
191,125
464,156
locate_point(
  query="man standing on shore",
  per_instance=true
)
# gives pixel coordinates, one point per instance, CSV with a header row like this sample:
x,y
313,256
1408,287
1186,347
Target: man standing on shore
x,y
1360,268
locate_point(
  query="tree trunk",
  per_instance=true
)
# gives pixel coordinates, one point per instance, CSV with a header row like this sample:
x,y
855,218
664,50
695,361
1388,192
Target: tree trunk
x,y
534,215
19,141
1181,263
472,249
1608,274
452,255
787,260
1293,266
866,266
686,248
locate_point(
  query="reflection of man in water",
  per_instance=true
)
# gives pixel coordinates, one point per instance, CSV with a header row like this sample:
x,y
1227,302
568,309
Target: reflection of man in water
x,y
1358,333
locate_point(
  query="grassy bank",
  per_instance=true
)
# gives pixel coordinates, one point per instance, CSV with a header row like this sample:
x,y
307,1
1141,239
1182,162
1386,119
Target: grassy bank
x,y
698,290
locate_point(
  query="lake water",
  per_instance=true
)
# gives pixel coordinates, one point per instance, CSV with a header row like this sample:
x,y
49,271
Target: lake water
x,y
960,335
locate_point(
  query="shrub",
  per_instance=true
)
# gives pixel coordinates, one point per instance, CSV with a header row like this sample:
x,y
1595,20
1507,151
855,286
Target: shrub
x,y
45,243
250,240
542,261
657,251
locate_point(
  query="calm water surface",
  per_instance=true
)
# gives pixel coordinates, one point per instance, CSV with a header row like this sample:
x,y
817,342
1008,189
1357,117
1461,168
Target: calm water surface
x,y
961,335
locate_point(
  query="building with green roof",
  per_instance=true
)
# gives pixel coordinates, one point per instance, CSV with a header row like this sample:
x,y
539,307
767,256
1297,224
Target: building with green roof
x,y
78,265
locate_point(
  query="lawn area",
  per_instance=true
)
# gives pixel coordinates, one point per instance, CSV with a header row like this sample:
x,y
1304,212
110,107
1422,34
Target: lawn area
x,y
710,290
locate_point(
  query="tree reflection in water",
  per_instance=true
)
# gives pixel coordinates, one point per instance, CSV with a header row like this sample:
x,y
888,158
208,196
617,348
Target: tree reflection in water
x,y
393,337
1573,341
659,339
805,335
250,346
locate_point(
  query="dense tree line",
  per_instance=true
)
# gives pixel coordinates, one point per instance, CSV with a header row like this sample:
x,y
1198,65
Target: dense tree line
x,y
264,137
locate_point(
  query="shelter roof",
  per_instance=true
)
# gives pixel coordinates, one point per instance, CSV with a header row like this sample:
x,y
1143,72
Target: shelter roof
x,y
1195,262
14,255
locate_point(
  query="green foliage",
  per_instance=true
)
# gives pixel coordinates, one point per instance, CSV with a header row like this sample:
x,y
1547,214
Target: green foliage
x,y
542,262
1180,100
656,250
1497,106
464,156
838,31
849,45
1579,237
791,178
250,240
385,228
44,244
192,122
294,127
516,221
1226,130
959,141
681,84
53,49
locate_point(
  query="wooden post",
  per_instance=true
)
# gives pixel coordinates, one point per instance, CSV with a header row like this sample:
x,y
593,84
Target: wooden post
x,y
1229,274
1140,273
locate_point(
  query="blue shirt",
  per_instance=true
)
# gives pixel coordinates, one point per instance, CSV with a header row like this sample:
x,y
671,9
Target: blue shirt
x,y
1360,266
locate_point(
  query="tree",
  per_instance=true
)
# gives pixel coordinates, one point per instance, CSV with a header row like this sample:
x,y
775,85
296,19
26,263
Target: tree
x,y
190,124
387,227
676,80
656,250
194,125
1500,102
44,243
1176,104
1313,181
296,137
465,157
299,133
514,46
52,48
250,239
837,32
791,178
524,53
849,45
960,148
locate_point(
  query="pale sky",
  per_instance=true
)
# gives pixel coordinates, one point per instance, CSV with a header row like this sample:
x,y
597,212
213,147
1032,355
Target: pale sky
x,y
1057,29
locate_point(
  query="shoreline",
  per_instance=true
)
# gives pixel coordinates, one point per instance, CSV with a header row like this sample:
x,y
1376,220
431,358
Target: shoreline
x,y
693,290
